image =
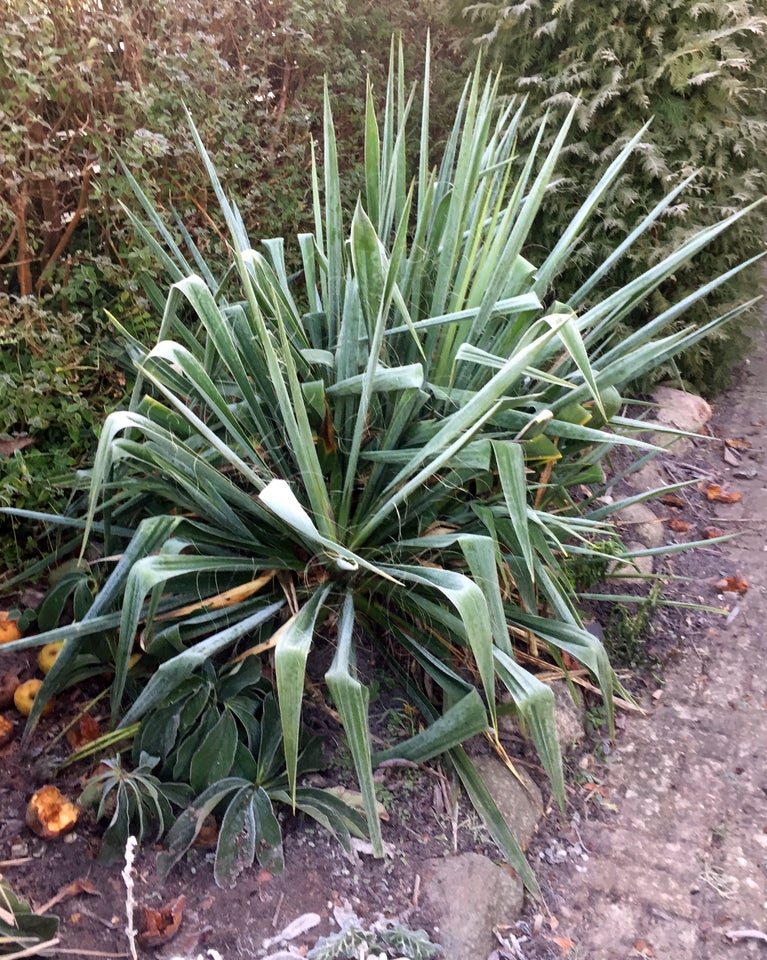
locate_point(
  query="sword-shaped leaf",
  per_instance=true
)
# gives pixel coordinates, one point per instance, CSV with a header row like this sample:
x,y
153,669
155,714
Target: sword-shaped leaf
x,y
295,639
351,699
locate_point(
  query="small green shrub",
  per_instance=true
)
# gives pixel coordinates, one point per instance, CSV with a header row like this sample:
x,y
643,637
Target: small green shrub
x,y
213,744
137,802
386,938
400,446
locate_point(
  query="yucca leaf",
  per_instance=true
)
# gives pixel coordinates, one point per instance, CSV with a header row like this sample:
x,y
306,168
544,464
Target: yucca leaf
x,y
492,817
483,557
470,603
579,643
510,460
291,651
333,248
554,262
351,699
460,721
535,704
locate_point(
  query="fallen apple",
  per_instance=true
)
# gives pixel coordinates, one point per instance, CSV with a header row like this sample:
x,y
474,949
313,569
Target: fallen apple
x,y
24,698
47,655
9,629
9,682
50,814
6,730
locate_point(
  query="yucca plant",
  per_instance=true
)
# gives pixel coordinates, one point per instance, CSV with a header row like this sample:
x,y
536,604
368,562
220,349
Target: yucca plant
x,y
386,449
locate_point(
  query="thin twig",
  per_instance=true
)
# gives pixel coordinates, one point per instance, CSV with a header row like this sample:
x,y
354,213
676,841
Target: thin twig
x,y
94,916
277,910
71,227
89,953
31,951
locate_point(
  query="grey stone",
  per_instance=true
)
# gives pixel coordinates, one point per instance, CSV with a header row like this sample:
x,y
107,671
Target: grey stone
x,y
681,411
648,477
638,522
521,806
468,895
635,569
569,716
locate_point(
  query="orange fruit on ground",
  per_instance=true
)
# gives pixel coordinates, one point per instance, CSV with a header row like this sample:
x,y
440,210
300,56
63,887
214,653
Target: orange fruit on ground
x,y
47,655
50,814
9,629
24,698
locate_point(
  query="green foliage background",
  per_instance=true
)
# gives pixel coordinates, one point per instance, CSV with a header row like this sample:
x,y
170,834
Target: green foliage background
x,y
699,70
84,82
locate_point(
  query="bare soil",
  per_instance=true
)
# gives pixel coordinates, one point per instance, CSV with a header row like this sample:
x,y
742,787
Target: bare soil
x,y
662,852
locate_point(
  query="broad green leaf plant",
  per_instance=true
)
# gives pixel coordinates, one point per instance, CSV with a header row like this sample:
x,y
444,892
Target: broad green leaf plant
x,y
386,450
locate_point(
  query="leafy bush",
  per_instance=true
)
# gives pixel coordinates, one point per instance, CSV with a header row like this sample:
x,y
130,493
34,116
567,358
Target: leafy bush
x,y
82,81
136,801
698,72
52,394
214,744
389,449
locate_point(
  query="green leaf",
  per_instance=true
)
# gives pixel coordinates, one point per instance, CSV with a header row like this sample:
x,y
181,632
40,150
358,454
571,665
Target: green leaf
x,y
470,602
214,757
236,847
535,704
171,673
464,719
295,639
351,699
491,816
182,834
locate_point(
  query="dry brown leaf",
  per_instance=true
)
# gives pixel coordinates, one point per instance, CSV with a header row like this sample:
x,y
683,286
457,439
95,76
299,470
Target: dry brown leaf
x,y
73,889
565,945
679,526
732,585
228,598
597,788
86,731
710,533
208,835
158,926
673,500
643,948
715,493
738,444
570,662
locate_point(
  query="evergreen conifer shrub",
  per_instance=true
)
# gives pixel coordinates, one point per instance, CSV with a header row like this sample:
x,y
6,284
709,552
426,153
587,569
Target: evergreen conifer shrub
x,y
698,72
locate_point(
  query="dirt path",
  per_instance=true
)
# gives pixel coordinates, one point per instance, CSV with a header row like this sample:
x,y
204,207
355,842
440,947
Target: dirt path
x,y
678,871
